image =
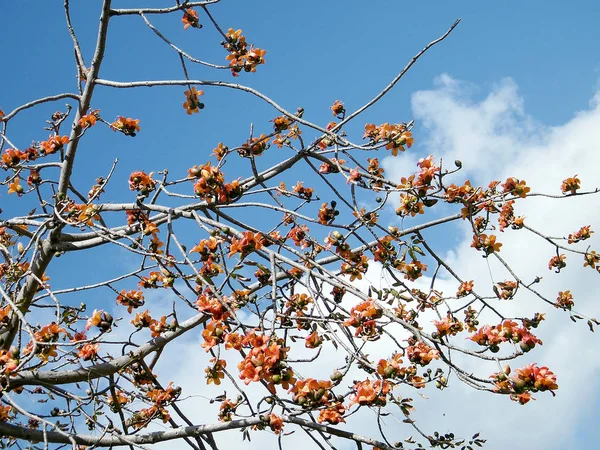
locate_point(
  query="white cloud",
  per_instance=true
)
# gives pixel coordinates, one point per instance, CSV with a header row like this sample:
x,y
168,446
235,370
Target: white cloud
x,y
495,138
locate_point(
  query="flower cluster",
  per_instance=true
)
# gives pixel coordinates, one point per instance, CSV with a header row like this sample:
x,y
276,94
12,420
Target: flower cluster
x,y
391,369
207,249
448,326
142,182
413,270
89,120
161,399
299,235
273,421
127,126
226,410
465,288
507,331
265,360
410,205
581,235
592,260
215,373
44,338
338,109
190,19
88,351
255,146
363,317
219,308
421,354
395,136
9,360
240,56
311,393
54,144
370,393
131,299
486,243
156,327
530,378
303,192
155,280
115,403
331,166
506,290
564,300
100,319
557,262
516,187
13,158
248,243
210,184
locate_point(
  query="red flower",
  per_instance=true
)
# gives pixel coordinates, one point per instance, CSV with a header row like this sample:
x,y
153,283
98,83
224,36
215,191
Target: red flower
x,y
190,19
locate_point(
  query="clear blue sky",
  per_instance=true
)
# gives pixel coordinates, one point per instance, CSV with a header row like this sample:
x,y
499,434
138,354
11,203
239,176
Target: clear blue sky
x,y
317,52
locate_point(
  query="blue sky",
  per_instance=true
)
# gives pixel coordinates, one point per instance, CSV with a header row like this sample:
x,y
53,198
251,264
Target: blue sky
x,y
534,61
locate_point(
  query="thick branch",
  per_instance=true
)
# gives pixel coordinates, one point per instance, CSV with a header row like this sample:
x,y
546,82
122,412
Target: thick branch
x,y
101,370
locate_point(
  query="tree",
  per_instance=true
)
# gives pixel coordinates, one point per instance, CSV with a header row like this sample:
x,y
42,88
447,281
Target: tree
x,y
267,266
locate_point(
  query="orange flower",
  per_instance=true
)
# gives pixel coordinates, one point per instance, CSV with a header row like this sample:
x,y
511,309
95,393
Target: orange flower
x,y
141,182
338,109
5,411
193,104
592,259
215,373
127,126
557,262
13,158
409,206
9,361
88,351
250,242
53,144
571,185
396,136
1,114
34,178
220,151
121,399
89,120
371,393
240,57
15,187
447,326
233,340
465,288
100,319
332,415
516,187
486,243
564,300
132,299
190,19
313,340
421,354
583,234
275,423
47,334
